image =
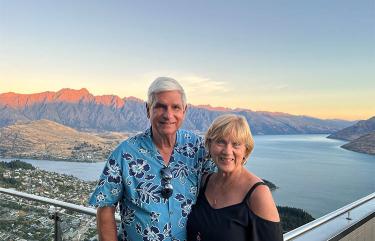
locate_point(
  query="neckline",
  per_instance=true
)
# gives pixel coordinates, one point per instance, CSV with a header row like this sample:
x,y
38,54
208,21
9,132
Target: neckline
x,y
155,150
234,205
150,143
248,193
209,204
225,207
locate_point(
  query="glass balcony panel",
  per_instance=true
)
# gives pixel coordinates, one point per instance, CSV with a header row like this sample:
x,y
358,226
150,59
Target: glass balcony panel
x,y
22,219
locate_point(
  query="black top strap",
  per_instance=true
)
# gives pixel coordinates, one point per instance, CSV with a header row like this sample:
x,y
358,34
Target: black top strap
x,y
252,190
205,182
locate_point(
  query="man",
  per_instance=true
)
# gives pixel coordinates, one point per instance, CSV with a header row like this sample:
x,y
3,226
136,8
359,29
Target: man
x,y
153,176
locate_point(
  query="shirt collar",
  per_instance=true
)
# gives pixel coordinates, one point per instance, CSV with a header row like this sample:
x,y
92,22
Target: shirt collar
x,y
149,144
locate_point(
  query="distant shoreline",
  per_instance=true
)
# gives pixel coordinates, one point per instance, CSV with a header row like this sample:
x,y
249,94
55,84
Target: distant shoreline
x,y
363,145
38,159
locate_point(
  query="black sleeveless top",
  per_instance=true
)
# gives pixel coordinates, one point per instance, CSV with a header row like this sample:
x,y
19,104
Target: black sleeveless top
x,y
232,223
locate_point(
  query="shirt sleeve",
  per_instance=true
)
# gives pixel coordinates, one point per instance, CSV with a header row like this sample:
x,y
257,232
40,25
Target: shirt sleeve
x,y
205,164
265,230
110,186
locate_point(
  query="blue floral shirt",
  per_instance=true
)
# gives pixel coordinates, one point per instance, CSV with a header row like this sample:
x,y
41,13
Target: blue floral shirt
x,y
131,178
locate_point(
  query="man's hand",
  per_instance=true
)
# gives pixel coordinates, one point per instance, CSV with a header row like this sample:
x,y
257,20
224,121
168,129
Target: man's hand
x,y
106,224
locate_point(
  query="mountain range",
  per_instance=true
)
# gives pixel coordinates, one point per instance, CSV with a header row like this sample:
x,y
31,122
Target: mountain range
x,y
82,110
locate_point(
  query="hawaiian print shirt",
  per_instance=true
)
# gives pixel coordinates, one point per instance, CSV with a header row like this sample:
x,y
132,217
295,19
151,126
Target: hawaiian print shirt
x,y
131,178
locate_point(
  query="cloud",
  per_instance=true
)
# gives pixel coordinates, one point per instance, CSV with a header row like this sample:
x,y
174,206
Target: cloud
x,y
201,85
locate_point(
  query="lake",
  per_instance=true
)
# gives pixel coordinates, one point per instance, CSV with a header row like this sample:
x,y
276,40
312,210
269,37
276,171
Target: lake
x,y
311,171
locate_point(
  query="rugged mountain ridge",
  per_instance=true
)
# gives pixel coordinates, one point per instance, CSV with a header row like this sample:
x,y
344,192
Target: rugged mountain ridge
x,y
81,110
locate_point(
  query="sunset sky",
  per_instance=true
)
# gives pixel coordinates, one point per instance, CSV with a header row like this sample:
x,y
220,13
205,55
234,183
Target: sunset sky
x,y
313,58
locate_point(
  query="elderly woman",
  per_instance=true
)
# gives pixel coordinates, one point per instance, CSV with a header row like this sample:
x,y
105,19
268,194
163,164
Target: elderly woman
x,y
233,203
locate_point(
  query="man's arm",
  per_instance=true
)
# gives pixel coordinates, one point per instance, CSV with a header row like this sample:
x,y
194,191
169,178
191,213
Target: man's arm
x,y
106,224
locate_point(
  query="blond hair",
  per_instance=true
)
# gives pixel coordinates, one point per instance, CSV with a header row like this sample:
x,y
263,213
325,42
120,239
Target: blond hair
x,y
233,126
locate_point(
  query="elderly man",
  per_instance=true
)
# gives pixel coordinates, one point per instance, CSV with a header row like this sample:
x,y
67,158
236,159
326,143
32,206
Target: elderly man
x,y
153,176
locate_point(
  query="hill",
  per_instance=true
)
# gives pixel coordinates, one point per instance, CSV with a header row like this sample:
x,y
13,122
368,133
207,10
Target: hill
x,y
364,144
355,131
44,139
81,110
292,218
361,136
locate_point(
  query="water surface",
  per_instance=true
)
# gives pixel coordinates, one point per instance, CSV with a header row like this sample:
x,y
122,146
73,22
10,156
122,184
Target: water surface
x,y
312,172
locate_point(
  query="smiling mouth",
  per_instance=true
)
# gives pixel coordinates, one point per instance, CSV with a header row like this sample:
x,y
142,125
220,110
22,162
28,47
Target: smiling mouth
x,y
167,123
226,159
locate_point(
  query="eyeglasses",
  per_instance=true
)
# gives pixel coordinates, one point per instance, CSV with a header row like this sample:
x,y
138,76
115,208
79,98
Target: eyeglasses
x,y
166,176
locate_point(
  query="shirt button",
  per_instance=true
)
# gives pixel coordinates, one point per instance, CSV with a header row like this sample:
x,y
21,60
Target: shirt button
x,y
171,212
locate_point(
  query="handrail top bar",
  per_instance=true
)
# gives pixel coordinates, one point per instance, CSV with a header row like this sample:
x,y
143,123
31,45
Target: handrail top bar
x,y
330,216
287,236
66,205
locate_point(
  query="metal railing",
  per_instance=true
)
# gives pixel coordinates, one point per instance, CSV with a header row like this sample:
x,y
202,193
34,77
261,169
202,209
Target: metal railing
x,y
54,202
56,215
330,216
287,237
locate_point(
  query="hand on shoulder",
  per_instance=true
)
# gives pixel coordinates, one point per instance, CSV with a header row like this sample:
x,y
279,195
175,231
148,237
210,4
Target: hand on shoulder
x,y
262,204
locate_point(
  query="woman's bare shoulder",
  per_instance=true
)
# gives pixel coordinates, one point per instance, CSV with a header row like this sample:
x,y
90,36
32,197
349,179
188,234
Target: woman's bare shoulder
x,y
262,204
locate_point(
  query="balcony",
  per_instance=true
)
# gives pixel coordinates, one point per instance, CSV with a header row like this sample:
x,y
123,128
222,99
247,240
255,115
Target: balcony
x,y
43,218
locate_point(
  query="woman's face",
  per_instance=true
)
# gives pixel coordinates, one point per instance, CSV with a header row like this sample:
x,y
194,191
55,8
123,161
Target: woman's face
x,y
227,154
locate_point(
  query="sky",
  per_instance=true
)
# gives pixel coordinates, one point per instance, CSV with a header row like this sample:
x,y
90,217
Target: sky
x,y
314,58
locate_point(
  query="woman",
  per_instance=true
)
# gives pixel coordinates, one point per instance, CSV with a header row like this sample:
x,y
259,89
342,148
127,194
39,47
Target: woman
x,y
233,204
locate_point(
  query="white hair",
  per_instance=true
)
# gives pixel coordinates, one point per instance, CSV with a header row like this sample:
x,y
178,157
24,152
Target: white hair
x,y
161,84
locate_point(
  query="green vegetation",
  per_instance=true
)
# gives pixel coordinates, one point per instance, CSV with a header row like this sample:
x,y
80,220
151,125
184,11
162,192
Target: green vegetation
x,y
10,182
16,164
292,218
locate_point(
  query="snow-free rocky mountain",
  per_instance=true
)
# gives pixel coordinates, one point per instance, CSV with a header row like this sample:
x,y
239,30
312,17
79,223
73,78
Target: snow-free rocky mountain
x,y
81,110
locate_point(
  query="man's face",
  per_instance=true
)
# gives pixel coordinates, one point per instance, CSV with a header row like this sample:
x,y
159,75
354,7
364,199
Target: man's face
x,y
167,113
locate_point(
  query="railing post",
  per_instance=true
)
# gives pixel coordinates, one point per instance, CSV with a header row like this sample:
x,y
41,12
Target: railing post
x,y
57,221
348,217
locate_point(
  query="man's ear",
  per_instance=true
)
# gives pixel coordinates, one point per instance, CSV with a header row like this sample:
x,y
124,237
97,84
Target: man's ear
x,y
185,109
148,111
